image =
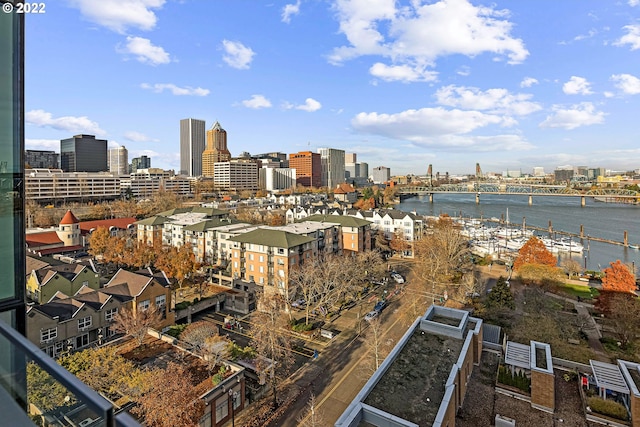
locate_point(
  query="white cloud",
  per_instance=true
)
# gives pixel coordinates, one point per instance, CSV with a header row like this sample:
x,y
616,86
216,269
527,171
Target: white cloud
x,y
417,35
631,38
528,82
289,10
497,101
42,144
404,73
145,51
577,86
310,105
256,102
627,83
118,15
73,124
175,90
583,114
138,137
237,55
423,124
633,3
464,71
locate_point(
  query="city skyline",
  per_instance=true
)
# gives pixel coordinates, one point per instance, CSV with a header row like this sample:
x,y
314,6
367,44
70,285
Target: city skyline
x,y
403,84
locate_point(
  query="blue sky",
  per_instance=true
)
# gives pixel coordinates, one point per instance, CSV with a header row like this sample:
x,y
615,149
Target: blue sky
x,y
404,84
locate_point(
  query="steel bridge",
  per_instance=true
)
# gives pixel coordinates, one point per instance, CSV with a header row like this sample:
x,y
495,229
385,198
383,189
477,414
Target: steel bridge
x,y
614,194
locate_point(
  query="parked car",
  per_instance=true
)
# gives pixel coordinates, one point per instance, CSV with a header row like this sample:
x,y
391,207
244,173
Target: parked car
x,y
300,303
371,315
380,305
397,277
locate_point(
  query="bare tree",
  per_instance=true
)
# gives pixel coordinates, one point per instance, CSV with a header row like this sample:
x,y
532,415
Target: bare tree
x,y
172,400
311,417
442,256
204,337
135,323
377,347
272,340
571,267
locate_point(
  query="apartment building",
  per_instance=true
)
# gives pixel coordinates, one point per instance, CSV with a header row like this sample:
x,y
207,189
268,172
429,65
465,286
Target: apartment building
x,y
355,233
266,256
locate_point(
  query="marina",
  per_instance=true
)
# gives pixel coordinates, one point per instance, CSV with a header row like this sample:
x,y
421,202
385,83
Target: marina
x,y
601,228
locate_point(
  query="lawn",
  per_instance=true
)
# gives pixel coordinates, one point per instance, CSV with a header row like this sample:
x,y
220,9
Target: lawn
x,y
575,290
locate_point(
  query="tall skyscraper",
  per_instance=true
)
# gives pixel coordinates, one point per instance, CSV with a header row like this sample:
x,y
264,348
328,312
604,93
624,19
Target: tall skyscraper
x,y
191,146
118,160
142,162
308,168
350,158
83,153
216,150
332,161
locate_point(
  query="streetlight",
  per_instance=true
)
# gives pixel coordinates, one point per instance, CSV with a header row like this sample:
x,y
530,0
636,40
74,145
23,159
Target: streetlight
x,y
233,395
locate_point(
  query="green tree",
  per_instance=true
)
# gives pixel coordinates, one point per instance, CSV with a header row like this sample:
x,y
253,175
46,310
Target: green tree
x,y
500,296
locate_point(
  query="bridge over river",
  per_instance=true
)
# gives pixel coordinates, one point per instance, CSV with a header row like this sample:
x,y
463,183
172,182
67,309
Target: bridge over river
x,y
530,190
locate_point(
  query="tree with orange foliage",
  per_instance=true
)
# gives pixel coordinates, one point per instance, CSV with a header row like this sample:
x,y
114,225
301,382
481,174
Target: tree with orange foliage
x,y
534,252
365,204
618,278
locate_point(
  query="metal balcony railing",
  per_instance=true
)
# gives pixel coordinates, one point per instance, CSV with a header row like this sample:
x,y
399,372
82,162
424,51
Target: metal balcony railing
x,y
35,390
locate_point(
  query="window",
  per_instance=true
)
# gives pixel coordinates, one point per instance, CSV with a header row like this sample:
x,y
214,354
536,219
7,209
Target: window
x,y
144,305
250,267
82,340
281,273
262,280
222,409
251,257
85,283
48,334
261,258
161,301
261,269
84,322
110,313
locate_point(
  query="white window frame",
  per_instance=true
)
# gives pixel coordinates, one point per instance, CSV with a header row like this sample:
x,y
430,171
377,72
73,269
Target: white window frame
x,y
84,323
110,314
144,305
161,301
48,334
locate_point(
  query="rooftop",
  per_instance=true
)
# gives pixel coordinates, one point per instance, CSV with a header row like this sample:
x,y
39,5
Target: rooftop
x,y
409,392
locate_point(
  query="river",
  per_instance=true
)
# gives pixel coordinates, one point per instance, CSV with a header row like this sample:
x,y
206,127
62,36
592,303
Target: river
x,y
603,220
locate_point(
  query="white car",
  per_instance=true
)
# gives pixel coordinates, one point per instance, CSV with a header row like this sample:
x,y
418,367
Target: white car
x,y
371,315
398,278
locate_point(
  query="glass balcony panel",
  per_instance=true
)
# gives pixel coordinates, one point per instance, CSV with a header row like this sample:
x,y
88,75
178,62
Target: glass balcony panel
x,y
34,387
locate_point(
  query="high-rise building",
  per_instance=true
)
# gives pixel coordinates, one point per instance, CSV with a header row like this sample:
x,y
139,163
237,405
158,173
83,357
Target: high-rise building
x,y
308,168
191,146
276,179
364,170
350,158
42,159
332,161
216,150
381,174
83,153
118,160
236,175
142,162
